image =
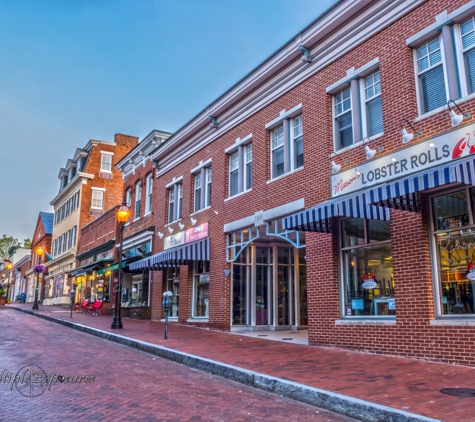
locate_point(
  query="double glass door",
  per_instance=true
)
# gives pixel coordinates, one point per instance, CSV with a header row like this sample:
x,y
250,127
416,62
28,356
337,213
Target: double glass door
x,y
269,287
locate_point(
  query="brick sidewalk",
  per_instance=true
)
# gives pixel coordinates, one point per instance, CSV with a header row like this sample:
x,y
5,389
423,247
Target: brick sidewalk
x,y
405,384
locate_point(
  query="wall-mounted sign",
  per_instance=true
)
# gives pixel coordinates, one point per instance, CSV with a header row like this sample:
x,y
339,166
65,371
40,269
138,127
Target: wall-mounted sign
x,y
196,233
174,240
190,235
258,218
441,149
392,304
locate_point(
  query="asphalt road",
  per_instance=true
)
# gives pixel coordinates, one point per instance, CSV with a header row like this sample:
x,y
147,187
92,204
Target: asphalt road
x,y
52,373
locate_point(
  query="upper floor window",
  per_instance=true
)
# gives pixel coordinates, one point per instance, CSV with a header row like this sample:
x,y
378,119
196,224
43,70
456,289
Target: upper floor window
x,y
97,199
202,186
175,194
73,236
343,119
128,197
467,32
138,195
76,200
374,104
430,72
277,152
106,162
357,105
149,185
240,165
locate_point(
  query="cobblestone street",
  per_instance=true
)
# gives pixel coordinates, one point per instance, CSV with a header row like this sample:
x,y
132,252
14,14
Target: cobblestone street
x,y
128,385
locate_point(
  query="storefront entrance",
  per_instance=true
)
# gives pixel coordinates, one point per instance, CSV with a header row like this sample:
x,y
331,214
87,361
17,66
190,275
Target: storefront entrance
x,y
269,287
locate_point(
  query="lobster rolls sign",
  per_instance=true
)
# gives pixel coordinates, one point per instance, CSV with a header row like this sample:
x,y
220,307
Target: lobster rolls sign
x,y
441,149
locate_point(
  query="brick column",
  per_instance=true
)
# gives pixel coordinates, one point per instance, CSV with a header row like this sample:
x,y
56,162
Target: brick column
x,y
156,290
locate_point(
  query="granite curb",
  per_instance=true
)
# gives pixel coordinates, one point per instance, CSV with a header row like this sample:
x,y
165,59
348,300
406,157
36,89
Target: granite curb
x,y
345,405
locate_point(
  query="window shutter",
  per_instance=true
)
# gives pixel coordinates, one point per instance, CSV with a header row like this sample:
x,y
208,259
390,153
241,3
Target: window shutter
x,y
433,89
375,116
470,63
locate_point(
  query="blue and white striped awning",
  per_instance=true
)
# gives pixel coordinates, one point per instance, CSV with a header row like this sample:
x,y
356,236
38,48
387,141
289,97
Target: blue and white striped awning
x,y
196,251
318,218
404,193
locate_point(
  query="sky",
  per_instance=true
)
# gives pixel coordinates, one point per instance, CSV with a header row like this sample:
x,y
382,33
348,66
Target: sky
x,y
75,70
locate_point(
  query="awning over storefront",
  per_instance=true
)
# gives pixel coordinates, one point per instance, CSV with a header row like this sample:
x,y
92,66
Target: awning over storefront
x,y
88,268
196,251
318,218
115,266
404,194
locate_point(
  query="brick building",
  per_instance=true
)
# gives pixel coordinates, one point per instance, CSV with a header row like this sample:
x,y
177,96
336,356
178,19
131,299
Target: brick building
x,y
41,240
90,184
341,198
138,172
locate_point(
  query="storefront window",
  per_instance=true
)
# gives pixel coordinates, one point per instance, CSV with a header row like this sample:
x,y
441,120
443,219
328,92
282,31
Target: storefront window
x,y
240,273
285,261
263,285
454,234
135,289
173,285
200,308
303,287
367,268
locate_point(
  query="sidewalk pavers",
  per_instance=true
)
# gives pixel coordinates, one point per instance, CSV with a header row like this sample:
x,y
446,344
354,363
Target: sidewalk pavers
x,y
333,378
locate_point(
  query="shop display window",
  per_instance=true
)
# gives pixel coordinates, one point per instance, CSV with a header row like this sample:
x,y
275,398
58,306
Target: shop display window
x,y
240,271
454,244
173,285
200,308
367,268
135,288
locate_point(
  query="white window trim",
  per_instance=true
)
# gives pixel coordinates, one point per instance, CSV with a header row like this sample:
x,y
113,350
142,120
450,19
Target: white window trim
x,y
138,185
280,177
201,169
240,147
417,79
148,207
92,194
111,154
335,116
364,102
284,115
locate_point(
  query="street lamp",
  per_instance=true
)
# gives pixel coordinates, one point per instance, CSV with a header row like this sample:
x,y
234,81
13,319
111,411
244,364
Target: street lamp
x,y
122,217
39,252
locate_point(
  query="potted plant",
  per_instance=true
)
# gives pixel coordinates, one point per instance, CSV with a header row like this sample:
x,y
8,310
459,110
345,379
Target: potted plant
x,y
3,296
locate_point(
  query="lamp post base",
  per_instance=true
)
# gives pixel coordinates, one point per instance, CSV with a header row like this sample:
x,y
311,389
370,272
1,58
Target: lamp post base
x,y
35,306
116,323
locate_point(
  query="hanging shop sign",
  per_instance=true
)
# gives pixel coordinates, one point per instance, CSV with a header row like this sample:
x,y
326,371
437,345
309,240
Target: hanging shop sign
x,y
187,236
441,149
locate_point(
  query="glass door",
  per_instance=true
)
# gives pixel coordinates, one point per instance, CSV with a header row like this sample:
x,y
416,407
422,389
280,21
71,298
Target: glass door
x,y
284,281
263,298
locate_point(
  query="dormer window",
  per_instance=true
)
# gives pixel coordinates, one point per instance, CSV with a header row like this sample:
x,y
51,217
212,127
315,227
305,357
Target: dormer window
x,y
72,173
64,181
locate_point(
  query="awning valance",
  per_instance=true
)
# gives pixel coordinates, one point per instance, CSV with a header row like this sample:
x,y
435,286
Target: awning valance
x,y
115,266
196,251
318,218
88,268
404,194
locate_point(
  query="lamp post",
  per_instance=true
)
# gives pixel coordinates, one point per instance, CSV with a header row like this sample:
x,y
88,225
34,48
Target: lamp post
x,y
39,253
122,217
9,266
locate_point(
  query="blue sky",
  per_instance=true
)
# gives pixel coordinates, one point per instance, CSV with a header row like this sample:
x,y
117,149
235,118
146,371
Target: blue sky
x,y
74,70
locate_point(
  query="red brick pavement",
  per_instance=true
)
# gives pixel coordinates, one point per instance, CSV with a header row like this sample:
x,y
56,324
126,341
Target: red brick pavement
x,y
129,385
407,384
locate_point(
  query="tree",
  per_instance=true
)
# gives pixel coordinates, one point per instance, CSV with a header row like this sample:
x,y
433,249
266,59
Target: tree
x,y
7,245
27,243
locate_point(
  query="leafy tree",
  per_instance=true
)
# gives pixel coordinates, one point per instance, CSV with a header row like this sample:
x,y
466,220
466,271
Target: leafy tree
x,y
7,245
27,243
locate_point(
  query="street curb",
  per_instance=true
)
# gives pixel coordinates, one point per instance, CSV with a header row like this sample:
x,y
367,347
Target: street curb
x,y
345,405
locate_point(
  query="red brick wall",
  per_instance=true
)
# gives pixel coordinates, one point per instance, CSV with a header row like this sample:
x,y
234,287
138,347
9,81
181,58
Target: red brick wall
x,y
114,187
101,230
411,335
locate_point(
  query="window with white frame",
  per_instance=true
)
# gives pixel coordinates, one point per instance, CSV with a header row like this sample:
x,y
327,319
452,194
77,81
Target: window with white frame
x,y
138,195
286,138
200,290
467,32
343,119
208,174
430,72
197,192
374,104
240,166
97,199
128,197
175,193
68,240
73,236
149,187
234,174
106,162
76,200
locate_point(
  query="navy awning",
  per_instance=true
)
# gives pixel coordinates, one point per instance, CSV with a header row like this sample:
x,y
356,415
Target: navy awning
x,y
196,251
318,218
404,194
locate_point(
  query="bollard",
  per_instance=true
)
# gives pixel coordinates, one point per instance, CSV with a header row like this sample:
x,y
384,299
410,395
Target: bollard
x,y
73,293
166,307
